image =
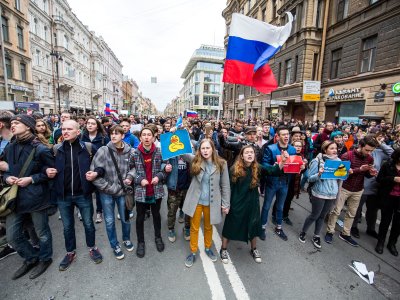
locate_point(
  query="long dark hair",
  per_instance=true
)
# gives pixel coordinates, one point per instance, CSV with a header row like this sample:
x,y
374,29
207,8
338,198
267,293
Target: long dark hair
x,y
100,128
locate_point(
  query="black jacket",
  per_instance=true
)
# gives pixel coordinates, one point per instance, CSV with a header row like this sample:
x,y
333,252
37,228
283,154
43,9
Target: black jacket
x,y
35,196
385,178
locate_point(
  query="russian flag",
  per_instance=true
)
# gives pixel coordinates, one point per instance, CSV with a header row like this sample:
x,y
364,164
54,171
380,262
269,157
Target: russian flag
x,y
251,45
107,110
191,114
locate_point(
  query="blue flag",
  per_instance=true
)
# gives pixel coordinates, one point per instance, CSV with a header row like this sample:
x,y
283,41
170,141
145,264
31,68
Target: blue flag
x,y
336,169
174,144
179,122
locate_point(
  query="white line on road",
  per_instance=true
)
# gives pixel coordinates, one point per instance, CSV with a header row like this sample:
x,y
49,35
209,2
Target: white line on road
x,y
217,292
236,282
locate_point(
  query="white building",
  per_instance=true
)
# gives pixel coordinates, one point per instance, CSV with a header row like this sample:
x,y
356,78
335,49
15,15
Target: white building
x,y
203,87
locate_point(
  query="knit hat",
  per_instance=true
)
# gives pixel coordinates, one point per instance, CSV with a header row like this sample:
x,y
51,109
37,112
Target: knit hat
x,y
326,144
334,134
26,120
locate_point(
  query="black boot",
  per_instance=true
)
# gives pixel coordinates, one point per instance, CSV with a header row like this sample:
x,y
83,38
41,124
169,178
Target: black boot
x,y
379,247
40,268
25,268
141,249
392,249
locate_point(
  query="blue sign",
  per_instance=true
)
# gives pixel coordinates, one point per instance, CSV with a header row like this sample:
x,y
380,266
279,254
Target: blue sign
x,y
174,144
336,169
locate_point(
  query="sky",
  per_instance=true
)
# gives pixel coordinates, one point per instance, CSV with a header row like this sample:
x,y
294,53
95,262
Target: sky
x,y
154,38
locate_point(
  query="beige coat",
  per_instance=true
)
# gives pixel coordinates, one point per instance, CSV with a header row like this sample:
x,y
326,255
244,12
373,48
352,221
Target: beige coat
x,y
220,192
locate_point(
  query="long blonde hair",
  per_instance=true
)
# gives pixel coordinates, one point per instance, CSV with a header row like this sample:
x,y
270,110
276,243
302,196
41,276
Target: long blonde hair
x,y
198,158
239,168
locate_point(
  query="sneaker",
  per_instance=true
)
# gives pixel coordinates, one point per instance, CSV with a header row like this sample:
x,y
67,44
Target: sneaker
x,y
67,261
181,217
317,242
59,216
263,234
171,235
118,217
348,240
141,250
99,219
288,221
6,252
211,255
190,260
329,238
256,255
302,237
131,214
355,232
128,246
79,216
95,255
186,234
223,253
281,234
118,252
159,244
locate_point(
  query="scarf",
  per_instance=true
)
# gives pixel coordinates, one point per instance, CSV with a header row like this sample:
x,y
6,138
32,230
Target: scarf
x,y
26,137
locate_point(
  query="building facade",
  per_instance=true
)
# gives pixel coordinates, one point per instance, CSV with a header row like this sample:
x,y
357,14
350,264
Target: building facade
x,y
350,49
16,61
202,87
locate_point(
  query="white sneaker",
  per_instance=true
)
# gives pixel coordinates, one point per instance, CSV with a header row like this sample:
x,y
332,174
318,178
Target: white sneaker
x,y
99,219
118,217
79,216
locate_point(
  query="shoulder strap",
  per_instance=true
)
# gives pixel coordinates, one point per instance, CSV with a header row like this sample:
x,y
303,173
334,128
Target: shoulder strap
x,y
27,163
117,169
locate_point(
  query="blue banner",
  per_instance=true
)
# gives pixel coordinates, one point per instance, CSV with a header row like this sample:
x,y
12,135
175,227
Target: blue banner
x,y
336,169
174,144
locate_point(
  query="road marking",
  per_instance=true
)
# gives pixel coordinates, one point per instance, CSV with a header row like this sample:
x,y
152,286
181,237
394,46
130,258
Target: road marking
x,y
236,282
217,292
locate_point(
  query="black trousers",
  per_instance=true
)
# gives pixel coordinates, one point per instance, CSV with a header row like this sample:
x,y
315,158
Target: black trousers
x,y
141,211
390,214
372,204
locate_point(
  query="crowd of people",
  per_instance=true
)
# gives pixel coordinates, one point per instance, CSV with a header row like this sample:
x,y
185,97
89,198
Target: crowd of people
x,y
93,164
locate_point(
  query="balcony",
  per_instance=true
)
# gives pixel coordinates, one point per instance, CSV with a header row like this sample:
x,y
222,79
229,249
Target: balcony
x,y
58,20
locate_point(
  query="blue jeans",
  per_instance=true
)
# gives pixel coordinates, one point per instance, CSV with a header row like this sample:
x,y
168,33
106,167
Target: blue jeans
x,y
274,186
108,203
66,207
17,239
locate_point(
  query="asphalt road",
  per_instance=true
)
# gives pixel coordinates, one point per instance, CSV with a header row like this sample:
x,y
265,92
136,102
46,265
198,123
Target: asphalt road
x,y
290,270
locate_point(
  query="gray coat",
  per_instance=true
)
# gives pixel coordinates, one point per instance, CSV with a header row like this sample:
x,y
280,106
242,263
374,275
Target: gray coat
x,y
220,191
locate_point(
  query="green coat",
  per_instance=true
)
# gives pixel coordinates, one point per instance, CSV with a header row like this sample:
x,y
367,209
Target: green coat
x,y
243,222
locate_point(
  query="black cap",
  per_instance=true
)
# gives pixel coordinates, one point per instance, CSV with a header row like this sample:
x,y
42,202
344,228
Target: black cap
x,y
250,129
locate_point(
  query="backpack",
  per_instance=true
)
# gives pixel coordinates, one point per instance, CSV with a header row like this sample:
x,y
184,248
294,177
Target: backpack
x,y
311,184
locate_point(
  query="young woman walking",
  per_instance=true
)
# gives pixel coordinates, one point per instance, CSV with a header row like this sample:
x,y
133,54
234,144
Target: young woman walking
x,y
243,222
323,192
208,196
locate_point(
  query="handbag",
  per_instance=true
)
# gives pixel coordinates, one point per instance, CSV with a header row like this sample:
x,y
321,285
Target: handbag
x,y
8,195
128,190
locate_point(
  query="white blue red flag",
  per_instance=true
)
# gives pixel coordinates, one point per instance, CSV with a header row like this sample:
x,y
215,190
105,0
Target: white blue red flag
x,y
251,45
192,114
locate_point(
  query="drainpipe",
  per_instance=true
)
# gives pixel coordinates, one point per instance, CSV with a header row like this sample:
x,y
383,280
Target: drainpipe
x,y
3,57
322,54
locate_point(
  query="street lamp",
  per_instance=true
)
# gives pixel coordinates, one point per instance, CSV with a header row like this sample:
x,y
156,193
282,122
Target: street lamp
x,y
58,57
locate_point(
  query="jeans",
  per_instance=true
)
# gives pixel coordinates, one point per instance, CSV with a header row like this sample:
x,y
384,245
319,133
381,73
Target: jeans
x,y
17,239
108,203
371,202
278,187
141,211
66,206
320,208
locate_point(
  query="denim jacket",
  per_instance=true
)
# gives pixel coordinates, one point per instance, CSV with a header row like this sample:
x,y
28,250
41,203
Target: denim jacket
x,y
172,177
327,188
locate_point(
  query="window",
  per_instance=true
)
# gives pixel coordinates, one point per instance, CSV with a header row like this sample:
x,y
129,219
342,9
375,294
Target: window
x,y
4,26
315,67
45,6
279,74
294,23
17,5
273,9
288,71
37,57
299,16
372,1
342,10
248,5
9,68
45,33
264,15
22,68
368,54
319,14
296,63
336,63
20,34
196,99
35,26
66,42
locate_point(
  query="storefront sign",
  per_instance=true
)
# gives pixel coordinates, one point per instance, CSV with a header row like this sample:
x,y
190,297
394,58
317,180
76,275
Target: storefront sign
x,y
26,107
396,88
311,90
345,94
379,96
278,102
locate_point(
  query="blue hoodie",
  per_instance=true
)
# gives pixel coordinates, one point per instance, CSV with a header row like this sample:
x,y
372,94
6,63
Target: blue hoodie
x,y
131,139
